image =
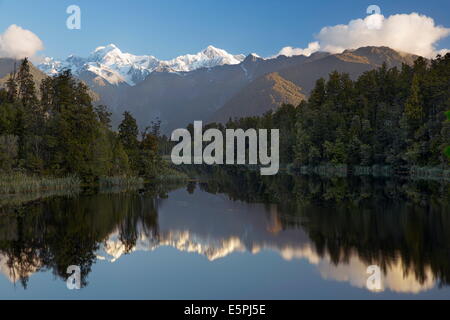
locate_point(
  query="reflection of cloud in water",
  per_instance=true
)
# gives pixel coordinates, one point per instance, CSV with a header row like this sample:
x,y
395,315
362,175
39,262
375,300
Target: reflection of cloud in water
x,y
13,272
394,279
215,227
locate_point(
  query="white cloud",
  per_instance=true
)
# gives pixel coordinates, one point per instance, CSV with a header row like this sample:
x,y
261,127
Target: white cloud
x,y
443,52
19,43
411,33
290,51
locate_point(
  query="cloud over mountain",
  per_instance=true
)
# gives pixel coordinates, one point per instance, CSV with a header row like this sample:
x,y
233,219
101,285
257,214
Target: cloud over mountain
x,y
19,43
290,51
412,33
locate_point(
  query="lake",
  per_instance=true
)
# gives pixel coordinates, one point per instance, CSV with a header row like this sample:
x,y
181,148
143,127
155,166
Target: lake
x,y
241,237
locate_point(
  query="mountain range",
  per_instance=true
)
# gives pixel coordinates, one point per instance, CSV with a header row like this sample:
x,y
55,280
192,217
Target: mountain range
x,y
233,90
212,85
112,65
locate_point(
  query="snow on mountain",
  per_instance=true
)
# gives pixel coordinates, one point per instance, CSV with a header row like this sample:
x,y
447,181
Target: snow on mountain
x,y
208,58
114,66
50,66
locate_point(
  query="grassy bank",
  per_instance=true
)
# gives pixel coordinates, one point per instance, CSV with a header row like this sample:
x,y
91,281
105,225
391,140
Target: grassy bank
x,y
19,183
16,183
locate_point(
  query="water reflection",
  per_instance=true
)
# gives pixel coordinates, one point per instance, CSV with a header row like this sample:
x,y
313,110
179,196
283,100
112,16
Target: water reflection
x,y
341,226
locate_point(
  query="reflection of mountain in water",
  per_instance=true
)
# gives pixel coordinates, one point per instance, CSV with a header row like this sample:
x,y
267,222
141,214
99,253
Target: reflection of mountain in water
x,y
253,228
342,237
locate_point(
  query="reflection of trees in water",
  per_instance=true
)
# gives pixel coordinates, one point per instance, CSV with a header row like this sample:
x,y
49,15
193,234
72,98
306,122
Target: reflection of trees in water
x,y
59,232
381,220
141,220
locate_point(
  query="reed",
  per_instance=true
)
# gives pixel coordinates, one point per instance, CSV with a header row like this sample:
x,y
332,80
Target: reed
x,y
16,183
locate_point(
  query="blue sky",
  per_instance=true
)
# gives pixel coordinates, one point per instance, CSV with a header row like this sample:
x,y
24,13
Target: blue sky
x,y
168,28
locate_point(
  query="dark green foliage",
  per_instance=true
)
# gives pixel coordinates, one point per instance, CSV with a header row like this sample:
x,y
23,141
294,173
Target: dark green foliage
x,y
128,136
447,149
60,133
104,116
386,117
26,88
11,88
143,154
8,152
283,119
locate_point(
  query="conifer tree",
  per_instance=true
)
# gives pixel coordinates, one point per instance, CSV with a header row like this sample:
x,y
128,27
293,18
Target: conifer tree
x,y
413,106
11,88
26,86
447,149
128,136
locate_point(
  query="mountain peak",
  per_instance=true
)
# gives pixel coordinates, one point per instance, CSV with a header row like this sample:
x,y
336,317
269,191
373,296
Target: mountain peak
x,y
211,48
378,55
212,52
371,49
252,57
208,58
377,50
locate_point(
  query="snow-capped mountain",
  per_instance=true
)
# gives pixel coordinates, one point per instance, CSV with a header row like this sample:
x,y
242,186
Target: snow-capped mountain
x,y
115,66
208,58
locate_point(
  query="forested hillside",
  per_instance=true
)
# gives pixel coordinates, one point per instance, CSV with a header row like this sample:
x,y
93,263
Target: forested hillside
x,y
394,117
57,131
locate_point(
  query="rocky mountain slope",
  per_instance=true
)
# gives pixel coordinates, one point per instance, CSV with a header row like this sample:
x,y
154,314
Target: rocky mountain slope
x,y
265,93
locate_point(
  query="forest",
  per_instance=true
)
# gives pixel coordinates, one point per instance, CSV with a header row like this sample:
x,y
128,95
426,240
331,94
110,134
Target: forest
x,y
387,117
55,130
395,117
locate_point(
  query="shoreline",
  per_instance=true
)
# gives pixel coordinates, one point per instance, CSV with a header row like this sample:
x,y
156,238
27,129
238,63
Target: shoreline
x,y
28,184
17,183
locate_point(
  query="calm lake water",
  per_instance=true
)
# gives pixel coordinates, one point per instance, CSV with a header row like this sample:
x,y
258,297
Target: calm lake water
x,y
293,238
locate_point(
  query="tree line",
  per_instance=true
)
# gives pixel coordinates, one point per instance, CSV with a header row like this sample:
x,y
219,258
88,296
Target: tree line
x,y
394,117
57,131
379,219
